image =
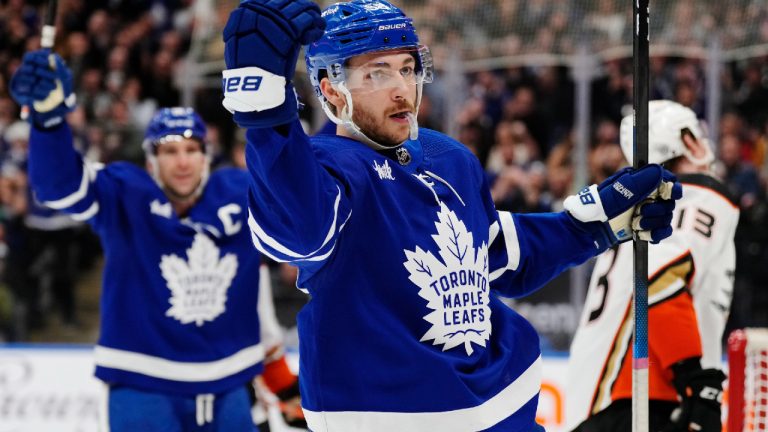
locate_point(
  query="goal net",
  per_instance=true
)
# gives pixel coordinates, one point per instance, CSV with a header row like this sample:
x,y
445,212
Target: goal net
x,y
748,380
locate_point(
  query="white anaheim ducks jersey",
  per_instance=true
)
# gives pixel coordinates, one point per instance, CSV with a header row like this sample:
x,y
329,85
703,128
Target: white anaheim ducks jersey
x,y
690,289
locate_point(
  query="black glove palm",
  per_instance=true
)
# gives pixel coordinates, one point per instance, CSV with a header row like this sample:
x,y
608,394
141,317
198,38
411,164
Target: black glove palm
x,y
701,392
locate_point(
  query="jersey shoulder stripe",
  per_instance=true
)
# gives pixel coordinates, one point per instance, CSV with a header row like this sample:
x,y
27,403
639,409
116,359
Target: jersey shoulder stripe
x,y
671,279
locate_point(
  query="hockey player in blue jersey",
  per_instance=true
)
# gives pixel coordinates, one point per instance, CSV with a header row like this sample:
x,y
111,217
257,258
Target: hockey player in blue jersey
x,y
394,231
179,337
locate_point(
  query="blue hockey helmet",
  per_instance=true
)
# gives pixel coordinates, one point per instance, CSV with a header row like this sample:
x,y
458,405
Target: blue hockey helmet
x,y
358,27
171,124
174,124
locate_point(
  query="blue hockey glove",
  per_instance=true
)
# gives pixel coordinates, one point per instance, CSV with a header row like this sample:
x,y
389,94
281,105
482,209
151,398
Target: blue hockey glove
x,y
631,202
262,42
44,84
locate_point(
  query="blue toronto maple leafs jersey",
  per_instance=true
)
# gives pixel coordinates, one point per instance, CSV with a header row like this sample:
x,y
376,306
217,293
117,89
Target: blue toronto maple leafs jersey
x,y
179,296
404,256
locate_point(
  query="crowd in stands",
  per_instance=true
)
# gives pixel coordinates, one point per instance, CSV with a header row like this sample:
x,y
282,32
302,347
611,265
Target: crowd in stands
x,y
126,57
498,28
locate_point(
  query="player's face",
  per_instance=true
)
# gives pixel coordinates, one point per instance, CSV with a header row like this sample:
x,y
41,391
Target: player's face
x,y
180,166
383,88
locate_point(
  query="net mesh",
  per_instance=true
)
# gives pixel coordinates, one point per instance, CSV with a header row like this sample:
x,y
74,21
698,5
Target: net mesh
x,y
756,389
748,380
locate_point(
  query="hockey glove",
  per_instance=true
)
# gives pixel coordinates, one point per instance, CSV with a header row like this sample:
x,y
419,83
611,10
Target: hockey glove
x,y
44,84
701,394
629,202
262,41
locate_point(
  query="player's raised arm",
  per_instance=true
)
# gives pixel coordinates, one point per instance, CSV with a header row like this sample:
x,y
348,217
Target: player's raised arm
x,y
59,177
631,202
296,206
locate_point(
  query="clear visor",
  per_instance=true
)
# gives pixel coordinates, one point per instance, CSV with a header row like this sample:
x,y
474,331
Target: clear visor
x,y
152,145
403,68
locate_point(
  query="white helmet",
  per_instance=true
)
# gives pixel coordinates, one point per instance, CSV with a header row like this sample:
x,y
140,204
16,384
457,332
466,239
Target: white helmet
x,y
666,122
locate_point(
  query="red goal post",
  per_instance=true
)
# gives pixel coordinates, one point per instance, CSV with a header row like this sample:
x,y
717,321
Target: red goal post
x,y
748,380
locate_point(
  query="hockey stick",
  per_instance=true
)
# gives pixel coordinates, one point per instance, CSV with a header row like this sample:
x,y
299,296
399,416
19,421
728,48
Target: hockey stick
x,y
49,27
640,158
47,38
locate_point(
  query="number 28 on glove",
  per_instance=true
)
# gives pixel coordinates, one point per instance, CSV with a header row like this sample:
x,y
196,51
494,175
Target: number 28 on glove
x,y
631,202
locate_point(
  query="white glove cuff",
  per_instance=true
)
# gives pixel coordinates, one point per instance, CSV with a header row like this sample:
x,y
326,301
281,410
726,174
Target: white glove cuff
x,y
586,206
252,89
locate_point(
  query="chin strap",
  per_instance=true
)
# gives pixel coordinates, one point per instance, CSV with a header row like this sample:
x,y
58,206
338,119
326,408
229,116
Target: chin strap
x,y
346,119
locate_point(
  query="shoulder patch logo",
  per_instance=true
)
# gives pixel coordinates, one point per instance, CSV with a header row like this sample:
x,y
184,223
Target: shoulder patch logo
x,y
198,285
384,170
454,284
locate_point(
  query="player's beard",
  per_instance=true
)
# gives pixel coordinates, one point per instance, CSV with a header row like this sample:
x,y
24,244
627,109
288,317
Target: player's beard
x,y
175,195
372,128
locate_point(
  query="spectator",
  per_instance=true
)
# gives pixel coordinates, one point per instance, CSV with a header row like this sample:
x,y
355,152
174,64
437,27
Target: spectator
x,y
739,176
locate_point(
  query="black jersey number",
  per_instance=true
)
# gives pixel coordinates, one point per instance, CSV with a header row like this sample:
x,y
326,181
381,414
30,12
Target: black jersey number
x,y
602,285
702,223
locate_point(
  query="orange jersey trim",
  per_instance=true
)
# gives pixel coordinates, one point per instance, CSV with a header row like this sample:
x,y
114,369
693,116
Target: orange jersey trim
x,y
673,333
277,375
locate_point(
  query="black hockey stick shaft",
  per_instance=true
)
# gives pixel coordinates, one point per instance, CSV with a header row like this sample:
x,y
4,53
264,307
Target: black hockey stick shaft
x,y
49,26
640,158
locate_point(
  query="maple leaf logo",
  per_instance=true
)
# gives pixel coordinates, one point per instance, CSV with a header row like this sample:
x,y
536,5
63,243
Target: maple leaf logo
x,y
198,286
455,285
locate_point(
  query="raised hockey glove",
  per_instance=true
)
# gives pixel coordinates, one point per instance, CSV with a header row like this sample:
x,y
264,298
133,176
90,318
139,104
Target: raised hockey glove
x,y
262,41
701,394
631,202
43,83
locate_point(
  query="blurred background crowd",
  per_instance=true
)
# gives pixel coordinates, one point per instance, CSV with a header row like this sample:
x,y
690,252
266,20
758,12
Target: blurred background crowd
x,y
506,87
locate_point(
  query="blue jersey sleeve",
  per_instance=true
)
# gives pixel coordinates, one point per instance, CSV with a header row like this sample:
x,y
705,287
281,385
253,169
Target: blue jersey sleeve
x,y
297,198
527,250
60,178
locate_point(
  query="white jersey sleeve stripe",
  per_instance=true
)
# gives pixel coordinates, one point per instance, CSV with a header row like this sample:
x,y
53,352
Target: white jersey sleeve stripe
x,y
493,231
479,417
84,216
175,370
282,249
90,170
72,198
326,250
511,242
260,247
